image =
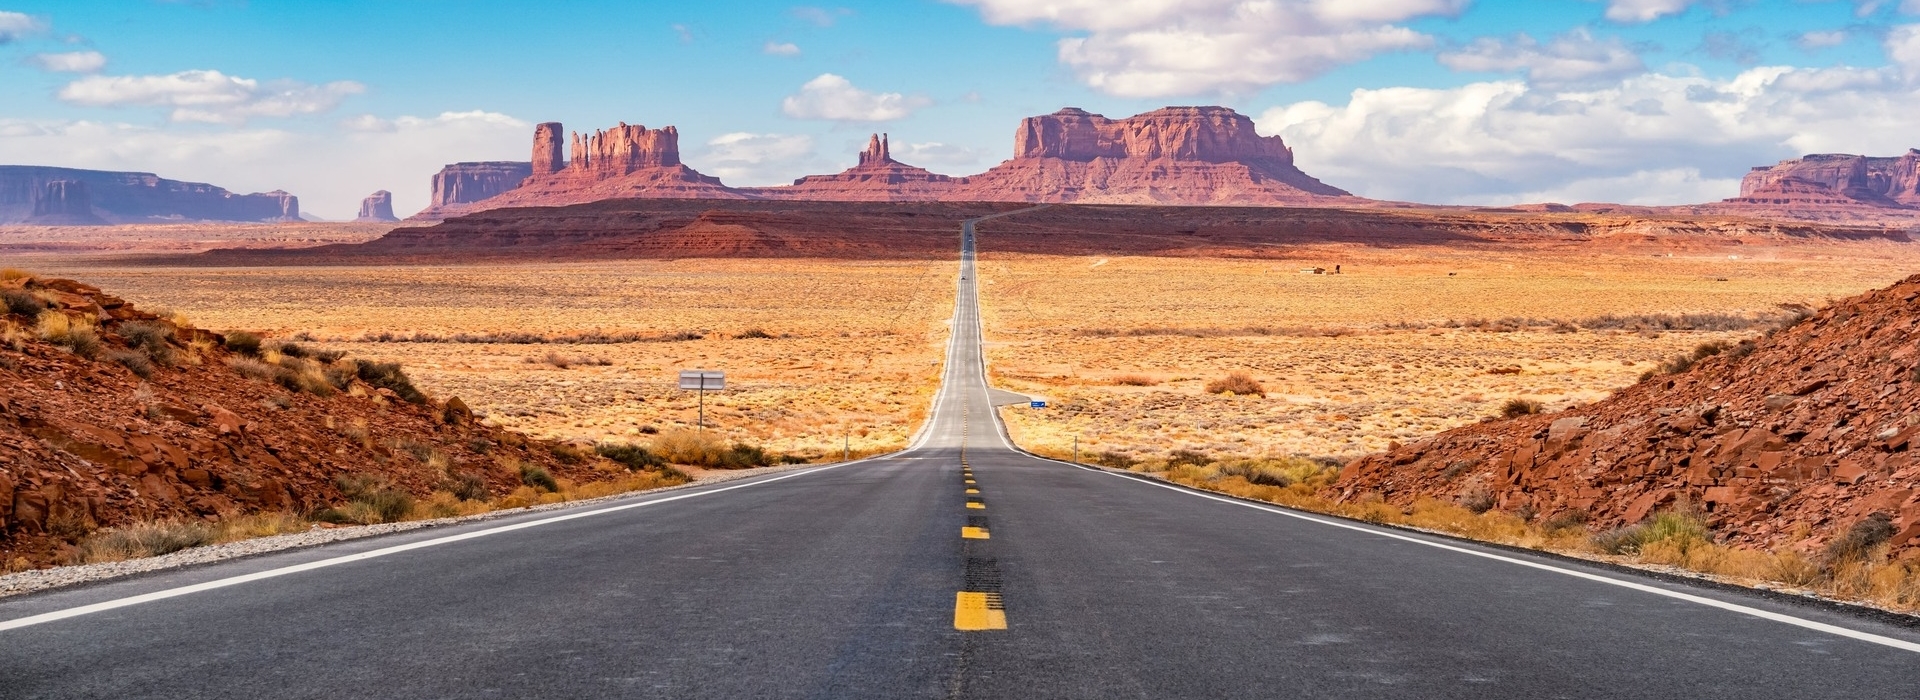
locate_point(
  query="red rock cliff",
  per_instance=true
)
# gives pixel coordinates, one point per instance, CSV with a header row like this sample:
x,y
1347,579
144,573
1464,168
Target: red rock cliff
x,y
1835,178
622,150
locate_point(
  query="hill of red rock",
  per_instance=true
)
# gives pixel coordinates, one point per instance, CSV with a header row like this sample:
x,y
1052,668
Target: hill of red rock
x,y
1787,441
70,196
88,443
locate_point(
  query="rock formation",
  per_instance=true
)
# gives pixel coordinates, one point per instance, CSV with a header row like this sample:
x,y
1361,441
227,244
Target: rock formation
x,y
120,197
1831,179
459,185
877,178
548,156
88,443
1175,155
377,207
1787,441
64,203
625,162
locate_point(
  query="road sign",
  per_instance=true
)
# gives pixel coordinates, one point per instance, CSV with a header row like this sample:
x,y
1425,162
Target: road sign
x,y
703,379
1037,404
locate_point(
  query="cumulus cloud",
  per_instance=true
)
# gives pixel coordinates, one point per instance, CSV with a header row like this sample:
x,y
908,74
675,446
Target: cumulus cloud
x,y
1573,58
330,169
749,159
834,98
1160,48
1639,11
1646,139
14,26
779,48
209,95
70,62
935,155
819,16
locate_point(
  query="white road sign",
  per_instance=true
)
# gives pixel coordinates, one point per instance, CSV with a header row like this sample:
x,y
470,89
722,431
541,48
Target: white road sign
x,y
704,379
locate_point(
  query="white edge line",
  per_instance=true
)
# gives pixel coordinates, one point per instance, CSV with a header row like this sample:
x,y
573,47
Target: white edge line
x,y
57,615
1644,588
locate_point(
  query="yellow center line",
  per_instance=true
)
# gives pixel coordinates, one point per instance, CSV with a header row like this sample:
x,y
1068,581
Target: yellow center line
x,y
975,612
976,505
974,533
972,491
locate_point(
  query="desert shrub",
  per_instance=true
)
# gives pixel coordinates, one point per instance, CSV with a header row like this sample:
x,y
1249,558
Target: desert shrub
x,y
20,302
1237,383
76,333
1680,526
1184,457
1565,521
1257,473
302,376
688,447
538,477
1116,460
1476,499
1458,467
341,375
634,457
154,339
1135,380
293,350
754,333
1710,348
243,342
744,456
466,487
388,375
1858,541
1517,407
143,540
252,368
371,499
135,362
568,453
9,274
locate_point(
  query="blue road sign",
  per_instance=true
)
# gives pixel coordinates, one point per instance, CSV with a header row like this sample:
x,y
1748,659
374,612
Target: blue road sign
x,y
1038,404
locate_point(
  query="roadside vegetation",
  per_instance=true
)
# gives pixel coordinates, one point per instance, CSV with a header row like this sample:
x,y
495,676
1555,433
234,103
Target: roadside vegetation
x,y
1855,566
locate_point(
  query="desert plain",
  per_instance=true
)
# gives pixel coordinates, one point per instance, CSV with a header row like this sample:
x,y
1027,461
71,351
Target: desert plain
x,y
825,355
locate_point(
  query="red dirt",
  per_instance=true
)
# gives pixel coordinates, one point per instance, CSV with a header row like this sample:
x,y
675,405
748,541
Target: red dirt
x,y
1815,428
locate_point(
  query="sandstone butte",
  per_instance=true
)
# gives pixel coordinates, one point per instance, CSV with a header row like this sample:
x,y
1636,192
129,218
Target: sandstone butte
x,y
1175,155
65,196
86,444
1788,441
377,207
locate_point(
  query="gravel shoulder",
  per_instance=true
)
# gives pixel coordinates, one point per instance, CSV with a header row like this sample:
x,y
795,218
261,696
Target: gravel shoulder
x,y
60,576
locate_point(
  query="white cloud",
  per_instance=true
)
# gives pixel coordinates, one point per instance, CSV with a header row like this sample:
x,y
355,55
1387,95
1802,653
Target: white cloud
x,y
819,16
936,154
774,48
1903,49
330,170
1637,11
14,26
1650,139
832,97
1570,59
209,95
747,159
1821,39
70,62
1159,48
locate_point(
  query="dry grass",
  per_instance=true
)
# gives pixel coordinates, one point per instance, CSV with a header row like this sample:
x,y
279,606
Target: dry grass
x,y
1393,350
850,348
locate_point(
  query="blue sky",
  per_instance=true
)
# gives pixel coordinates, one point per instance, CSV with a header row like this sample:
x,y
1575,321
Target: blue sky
x,y
1456,101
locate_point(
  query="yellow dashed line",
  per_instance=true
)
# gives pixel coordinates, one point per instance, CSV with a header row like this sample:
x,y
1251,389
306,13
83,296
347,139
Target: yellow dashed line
x,y
976,505
974,533
975,612
969,482
972,491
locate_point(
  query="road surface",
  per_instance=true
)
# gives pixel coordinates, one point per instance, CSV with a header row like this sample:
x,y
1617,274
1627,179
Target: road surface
x,y
895,577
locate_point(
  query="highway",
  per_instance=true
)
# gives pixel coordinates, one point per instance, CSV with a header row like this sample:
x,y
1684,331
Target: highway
x,y
959,567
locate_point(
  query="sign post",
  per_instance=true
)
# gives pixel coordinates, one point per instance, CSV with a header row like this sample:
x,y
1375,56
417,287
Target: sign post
x,y
701,380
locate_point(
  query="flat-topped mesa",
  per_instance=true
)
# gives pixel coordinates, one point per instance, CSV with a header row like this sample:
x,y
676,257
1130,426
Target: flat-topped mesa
x,y
1208,134
64,203
127,197
1835,179
1174,155
877,178
620,150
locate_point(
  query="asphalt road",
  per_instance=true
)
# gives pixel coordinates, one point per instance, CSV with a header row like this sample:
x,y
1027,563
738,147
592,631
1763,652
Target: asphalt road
x,y
885,578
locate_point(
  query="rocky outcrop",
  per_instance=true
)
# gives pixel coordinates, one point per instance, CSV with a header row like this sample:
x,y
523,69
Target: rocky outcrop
x,y
549,154
123,197
1789,440
459,185
87,444
377,207
877,178
1175,155
1830,179
625,162
64,203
